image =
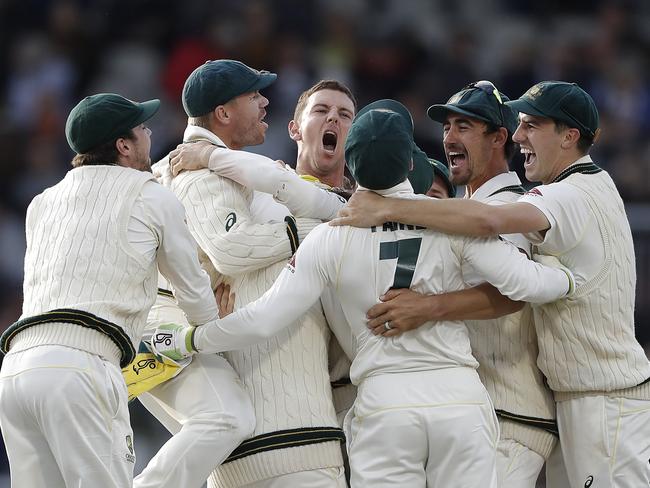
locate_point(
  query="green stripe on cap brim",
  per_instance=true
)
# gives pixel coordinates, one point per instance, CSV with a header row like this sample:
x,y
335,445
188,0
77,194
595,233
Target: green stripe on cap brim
x,y
389,104
439,113
525,107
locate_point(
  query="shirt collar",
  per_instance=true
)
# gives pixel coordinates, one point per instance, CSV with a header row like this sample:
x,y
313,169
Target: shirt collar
x,y
195,133
495,183
398,191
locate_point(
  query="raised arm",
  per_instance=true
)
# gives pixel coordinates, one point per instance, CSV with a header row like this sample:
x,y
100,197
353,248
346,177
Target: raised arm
x,y
257,172
452,216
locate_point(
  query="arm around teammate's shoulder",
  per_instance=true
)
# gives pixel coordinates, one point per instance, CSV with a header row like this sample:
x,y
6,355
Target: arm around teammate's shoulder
x,y
219,217
452,216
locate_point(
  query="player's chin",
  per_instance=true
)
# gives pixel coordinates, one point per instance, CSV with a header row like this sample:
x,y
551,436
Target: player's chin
x,y
531,173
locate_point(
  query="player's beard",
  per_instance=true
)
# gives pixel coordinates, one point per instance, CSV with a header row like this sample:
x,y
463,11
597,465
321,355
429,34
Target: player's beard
x,y
143,163
251,134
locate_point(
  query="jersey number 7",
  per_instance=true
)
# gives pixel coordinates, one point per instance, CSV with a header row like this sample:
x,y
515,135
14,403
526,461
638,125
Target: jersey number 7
x,y
406,251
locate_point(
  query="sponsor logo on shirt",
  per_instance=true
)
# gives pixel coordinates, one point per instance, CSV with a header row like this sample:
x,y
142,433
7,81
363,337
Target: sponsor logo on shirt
x,y
129,444
231,218
534,191
291,265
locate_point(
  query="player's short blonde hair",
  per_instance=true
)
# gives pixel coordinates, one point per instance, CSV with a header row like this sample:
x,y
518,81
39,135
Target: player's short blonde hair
x,y
322,85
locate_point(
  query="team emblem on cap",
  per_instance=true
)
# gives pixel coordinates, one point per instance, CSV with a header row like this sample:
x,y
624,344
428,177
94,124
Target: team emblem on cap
x,y
455,98
533,92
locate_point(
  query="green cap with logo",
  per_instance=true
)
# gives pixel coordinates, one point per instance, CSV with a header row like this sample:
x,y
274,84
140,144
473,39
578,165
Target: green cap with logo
x,y
562,101
217,82
100,118
480,100
378,148
442,171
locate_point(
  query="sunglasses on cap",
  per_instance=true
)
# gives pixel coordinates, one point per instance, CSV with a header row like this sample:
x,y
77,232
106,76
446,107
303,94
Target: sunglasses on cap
x,y
489,88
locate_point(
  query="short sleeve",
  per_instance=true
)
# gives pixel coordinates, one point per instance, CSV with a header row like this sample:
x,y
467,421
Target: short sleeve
x,y
567,212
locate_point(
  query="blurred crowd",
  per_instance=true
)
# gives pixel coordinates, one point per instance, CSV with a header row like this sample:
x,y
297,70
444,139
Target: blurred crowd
x,y
54,52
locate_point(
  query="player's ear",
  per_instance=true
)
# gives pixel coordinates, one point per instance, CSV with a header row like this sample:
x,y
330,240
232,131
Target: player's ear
x,y
571,138
501,137
221,114
123,146
294,131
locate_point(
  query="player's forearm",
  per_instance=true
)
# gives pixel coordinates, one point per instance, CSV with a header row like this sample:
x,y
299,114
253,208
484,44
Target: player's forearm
x,y
249,248
259,320
303,199
451,216
513,274
479,303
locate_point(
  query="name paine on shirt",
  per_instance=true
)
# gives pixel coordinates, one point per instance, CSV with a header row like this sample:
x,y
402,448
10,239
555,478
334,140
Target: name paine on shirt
x,y
393,226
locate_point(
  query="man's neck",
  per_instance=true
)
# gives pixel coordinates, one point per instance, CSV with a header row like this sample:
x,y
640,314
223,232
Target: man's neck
x,y
333,178
562,165
476,183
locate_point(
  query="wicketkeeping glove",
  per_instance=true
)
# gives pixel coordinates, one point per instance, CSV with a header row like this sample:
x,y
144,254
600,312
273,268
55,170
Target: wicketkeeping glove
x,y
173,341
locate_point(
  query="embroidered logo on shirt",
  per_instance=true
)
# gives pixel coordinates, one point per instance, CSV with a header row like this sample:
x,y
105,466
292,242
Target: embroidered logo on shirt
x,y
230,220
129,444
590,480
534,191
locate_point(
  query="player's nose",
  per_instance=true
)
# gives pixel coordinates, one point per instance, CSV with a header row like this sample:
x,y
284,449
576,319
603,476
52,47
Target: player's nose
x,y
518,136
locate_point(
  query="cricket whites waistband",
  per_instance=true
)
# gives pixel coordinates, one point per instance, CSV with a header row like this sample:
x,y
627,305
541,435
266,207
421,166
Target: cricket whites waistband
x,y
77,317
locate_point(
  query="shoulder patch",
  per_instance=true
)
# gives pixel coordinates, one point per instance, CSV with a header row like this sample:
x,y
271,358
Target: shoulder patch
x,y
230,220
534,191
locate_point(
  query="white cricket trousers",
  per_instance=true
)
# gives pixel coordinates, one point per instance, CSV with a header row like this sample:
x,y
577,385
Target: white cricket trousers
x,y
315,478
421,429
65,420
517,465
605,441
209,414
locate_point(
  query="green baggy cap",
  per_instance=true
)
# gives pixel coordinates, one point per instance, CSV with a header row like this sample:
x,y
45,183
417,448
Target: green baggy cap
x,y
217,82
378,148
100,118
480,100
562,101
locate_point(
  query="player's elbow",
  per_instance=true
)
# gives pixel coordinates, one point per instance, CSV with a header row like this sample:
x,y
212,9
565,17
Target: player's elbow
x,y
487,224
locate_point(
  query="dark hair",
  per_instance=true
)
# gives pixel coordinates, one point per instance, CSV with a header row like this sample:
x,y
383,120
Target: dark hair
x,y
322,85
509,147
104,154
584,143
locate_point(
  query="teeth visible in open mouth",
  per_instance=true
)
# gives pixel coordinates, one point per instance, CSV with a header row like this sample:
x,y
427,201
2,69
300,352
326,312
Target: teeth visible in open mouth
x,y
329,140
528,153
453,155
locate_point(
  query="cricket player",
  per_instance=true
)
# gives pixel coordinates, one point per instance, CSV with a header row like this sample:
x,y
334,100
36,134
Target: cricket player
x,y
402,431
478,128
95,242
248,236
430,177
600,382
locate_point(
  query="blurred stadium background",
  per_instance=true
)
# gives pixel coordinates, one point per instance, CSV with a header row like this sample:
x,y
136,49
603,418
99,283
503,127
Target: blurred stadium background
x,y
54,52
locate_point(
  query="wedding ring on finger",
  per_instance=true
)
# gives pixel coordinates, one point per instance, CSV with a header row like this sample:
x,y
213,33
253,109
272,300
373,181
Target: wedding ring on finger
x,y
387,325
